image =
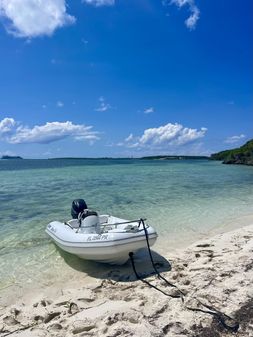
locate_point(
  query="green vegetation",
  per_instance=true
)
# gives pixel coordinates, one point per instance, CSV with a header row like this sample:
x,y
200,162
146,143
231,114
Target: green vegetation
x,y
241,155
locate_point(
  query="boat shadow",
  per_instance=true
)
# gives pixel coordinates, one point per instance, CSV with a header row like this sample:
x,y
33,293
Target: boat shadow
x,y
119,273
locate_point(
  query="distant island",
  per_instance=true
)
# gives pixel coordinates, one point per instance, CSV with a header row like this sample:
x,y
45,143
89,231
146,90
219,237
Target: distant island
x,y
242,155
11,157
174,157
81,158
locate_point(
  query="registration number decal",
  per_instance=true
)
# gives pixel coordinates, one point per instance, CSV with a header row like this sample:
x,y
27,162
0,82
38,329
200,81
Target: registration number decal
x,y
99,237
51,228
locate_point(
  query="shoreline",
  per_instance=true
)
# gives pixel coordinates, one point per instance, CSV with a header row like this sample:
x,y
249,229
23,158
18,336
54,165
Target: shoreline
x,y
67,269
216,270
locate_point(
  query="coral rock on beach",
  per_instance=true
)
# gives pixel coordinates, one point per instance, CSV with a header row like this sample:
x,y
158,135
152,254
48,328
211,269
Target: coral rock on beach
x,y
213,297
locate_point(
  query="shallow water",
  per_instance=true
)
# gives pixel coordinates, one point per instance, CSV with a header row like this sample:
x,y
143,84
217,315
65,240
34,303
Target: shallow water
x,y
183,200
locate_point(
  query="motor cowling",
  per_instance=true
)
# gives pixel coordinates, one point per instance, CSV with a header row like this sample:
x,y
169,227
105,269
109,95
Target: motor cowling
x,y
78,206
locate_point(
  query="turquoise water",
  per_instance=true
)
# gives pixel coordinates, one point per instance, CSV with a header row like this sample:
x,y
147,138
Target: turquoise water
x,y
181,199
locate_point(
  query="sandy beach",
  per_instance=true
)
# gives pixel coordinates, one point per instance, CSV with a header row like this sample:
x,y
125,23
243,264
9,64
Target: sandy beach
x,y
213,296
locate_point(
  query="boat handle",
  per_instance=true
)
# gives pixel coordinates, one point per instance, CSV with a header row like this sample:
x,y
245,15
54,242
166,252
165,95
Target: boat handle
x,y
123,223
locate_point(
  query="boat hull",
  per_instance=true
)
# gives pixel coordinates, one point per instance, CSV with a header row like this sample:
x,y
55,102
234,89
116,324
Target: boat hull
x,y
114,254
110,247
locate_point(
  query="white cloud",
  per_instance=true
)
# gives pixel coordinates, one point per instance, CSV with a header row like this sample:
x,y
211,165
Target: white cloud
x,y
60,104
149,110
129,138
99,3
161,134
188,135
191,21
166,135
103,106
234,139
33,18
50,132
6,126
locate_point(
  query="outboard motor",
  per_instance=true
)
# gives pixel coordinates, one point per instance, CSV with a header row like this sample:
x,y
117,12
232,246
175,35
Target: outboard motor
x,y
88,220
78,206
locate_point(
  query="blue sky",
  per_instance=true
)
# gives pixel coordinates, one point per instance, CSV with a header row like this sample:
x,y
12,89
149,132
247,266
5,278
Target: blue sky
x,y
123,78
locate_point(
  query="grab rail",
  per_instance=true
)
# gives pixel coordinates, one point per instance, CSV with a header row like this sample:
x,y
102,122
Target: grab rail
x,y
123,223
108,224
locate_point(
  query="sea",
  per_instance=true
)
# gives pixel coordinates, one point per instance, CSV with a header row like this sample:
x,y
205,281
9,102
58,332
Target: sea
x,y
185,200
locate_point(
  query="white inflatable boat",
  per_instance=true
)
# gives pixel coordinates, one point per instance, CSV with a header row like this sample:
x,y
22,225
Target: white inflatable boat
x,y
103,238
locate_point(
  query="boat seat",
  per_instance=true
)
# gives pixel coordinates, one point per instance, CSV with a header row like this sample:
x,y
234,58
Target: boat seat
x,y
90,222
87,213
